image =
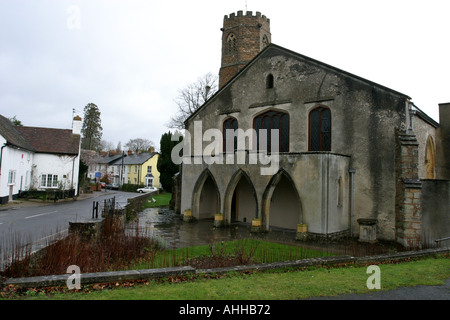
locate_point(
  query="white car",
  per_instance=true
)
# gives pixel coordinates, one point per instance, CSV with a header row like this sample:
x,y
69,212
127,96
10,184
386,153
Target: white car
x,y
146,189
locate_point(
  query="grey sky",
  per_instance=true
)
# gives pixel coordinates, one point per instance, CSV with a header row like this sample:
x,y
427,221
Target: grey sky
x,y
131,57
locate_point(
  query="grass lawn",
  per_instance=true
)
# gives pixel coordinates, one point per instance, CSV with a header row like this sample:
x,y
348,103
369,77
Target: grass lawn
x,y
161,200
284,284
243,251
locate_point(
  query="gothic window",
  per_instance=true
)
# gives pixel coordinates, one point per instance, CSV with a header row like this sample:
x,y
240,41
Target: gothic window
x,y
230,125
269,120
269,81
265,41
320,129
231,43
430,159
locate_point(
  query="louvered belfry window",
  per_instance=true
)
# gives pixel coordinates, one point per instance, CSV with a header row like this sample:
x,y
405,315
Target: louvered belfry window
x,y
269,120
320,129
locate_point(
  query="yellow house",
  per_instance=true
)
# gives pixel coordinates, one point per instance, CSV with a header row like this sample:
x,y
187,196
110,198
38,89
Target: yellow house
x,y
141,169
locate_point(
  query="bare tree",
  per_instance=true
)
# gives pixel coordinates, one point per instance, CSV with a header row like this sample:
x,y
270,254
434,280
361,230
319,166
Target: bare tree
x,y
139,144
192,97
106,145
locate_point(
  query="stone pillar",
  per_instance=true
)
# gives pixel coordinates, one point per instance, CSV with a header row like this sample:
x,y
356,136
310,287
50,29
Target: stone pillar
x,y
367,230
187,217
218,220
256,225
302,232
408,206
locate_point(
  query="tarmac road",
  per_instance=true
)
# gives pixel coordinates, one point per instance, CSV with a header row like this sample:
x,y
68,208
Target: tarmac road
x,y
405,293
24,222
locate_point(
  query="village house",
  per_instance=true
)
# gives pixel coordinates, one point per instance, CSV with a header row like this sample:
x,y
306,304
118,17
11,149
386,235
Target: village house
x,y
119,168
350,154
34,158
141,168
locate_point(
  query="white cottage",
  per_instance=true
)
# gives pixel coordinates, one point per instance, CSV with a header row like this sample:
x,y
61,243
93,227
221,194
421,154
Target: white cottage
x,y
38,158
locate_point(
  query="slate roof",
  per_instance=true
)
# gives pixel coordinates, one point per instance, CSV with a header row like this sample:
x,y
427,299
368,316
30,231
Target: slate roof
x,y
49,140
109,159
136,158
12,136
40,140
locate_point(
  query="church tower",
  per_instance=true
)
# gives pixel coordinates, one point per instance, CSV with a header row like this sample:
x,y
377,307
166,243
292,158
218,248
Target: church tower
x,y
243,37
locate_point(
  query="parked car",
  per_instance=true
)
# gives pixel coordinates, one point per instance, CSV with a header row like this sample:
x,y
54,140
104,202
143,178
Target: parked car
x,y
112,186
146,189
103,184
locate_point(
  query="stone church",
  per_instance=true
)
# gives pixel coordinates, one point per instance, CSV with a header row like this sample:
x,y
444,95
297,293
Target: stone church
x,y
347,153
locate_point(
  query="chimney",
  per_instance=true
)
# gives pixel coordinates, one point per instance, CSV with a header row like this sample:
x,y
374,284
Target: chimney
x,y
76,125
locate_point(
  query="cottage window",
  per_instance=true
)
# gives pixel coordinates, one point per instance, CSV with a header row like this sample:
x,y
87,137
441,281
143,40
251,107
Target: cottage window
x,y
268,121
320,129
11,177
49,181
230,126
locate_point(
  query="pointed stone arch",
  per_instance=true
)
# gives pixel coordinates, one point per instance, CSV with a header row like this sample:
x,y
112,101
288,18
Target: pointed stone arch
x,y
240,200
205,197
281,205
430,159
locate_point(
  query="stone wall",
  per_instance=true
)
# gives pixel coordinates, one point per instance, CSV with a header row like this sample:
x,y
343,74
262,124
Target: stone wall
x,y
435,211
134,205
408,199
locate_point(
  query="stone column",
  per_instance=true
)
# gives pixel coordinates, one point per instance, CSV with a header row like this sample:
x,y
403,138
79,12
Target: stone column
x,y
408,199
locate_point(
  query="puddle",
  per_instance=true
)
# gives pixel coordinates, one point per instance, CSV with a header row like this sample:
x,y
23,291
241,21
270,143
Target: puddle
x,y
169,227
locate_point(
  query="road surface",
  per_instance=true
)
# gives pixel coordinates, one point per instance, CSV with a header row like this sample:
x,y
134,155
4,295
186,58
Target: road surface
x,y
28,222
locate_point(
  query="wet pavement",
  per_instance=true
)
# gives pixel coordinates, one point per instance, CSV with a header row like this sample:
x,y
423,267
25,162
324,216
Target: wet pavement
x,y
169,227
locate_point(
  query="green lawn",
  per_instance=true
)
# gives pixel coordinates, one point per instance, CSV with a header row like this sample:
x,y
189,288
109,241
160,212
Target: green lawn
x,y
243,250
285,284
162,200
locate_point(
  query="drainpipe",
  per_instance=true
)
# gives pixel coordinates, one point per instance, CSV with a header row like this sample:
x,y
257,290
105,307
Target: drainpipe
x,y
1,158
73,168
352,189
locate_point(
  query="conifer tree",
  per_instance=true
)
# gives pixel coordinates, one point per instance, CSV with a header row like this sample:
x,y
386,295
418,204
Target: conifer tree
x,y
92,128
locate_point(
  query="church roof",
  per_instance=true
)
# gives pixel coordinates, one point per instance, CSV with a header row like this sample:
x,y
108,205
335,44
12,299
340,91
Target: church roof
x,y
274,47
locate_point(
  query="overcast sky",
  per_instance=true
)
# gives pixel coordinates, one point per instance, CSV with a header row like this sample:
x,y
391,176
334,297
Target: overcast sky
x,y
130,57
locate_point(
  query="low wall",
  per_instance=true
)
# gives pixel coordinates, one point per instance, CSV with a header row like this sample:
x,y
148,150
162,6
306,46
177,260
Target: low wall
x,y
133,275
134,205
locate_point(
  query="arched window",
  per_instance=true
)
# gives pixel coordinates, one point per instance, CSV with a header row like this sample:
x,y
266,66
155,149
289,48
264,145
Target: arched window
x,y
231,43
320,129
269,120
430,161
230,125
269,81
265,41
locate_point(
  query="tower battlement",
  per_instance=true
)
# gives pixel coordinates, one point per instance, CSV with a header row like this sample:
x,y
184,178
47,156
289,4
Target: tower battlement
x,y
243,37
248,14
